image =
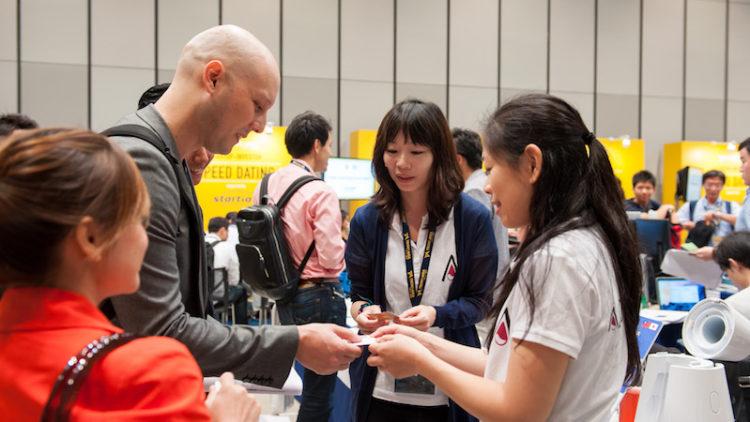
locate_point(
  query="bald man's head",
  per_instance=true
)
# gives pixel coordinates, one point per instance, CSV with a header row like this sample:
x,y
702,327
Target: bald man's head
x,y
229,80
235,47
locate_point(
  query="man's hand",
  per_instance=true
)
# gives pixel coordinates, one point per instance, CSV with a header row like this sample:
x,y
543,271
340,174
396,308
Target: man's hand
x,y
688,225
420,317
709,216
326,348
230,402
367,324
705,253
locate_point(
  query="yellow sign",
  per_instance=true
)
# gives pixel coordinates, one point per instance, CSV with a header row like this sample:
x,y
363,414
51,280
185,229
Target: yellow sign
x,y
229,181
627,158
361,145
705,156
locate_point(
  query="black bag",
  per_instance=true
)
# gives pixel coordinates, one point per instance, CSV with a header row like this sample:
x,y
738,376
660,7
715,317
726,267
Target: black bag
x,y
701,234
263,252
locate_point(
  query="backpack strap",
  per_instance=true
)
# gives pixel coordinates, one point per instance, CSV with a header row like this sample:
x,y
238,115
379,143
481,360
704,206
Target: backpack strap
x,y
71,378
308,254
143,133
692,209
264,189
292,189
288,193
214,243
728,210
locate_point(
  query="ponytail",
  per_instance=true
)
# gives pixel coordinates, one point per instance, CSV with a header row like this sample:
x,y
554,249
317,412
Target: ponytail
x,y
576,189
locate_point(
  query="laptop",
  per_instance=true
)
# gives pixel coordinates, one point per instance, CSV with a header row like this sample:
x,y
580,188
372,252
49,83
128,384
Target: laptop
x,y
678,294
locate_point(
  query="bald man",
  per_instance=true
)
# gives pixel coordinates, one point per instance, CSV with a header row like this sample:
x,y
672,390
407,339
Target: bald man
x,y
225,82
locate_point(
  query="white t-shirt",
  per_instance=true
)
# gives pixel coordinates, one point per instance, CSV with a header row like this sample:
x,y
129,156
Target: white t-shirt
x,y
442,270
225,256
577,313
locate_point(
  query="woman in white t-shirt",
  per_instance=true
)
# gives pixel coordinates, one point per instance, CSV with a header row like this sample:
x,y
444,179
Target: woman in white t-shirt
x,y
564,341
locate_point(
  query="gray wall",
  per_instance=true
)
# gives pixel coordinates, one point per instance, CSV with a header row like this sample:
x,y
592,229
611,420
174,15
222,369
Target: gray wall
x,y
663,70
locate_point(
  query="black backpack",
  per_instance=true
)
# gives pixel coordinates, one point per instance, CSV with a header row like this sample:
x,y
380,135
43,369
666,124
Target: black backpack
x,y
702,233
263,252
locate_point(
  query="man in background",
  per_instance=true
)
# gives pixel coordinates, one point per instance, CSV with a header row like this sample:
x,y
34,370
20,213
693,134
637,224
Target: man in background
x,y
312,227
711,210
225,257
469,151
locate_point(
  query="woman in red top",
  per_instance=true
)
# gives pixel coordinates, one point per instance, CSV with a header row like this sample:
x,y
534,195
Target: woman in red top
x,y
72,213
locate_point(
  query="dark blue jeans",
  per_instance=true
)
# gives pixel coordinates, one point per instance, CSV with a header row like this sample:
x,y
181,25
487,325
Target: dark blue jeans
x,y
321,303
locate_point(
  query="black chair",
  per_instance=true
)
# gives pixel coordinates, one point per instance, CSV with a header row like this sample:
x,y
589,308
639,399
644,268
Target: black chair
x,y
220,297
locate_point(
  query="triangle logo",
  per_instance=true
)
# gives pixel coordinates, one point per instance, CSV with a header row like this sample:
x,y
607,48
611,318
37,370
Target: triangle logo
x,y
450,270
503,329
614,323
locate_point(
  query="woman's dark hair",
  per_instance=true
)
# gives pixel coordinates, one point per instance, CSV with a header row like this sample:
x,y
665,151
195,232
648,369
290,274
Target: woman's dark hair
x,y
735,246
576,189
423,124
50,179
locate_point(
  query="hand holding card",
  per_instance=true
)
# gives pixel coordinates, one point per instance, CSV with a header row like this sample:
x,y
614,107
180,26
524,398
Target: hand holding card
x,y
385,317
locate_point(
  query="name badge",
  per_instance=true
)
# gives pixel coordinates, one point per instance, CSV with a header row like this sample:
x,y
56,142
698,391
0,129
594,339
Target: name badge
x,y
414,385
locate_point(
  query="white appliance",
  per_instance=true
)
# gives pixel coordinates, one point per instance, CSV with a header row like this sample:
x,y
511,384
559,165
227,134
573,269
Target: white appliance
x,y
683,388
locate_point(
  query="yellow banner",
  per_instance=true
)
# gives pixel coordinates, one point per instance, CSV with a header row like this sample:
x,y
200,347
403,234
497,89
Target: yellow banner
x,y
230,180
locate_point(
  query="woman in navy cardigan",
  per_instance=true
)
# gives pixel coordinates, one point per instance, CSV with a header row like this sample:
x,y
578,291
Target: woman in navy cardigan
x,y
422,251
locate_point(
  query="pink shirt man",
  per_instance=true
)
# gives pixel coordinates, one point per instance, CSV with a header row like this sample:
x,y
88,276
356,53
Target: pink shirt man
x,y
311,214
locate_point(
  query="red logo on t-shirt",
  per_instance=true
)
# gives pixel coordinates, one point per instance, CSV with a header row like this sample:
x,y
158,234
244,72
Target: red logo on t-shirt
x,y
450,270
503,329
614,323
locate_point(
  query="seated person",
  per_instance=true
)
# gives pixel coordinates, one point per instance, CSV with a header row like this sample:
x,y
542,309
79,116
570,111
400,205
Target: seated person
x,y
711,209
733,256
74,208
225,256
644,186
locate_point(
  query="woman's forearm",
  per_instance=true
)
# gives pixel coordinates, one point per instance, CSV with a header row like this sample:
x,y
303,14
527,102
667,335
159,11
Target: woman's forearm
x,y
469,359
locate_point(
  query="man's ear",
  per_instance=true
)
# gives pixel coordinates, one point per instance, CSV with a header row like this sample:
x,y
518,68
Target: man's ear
x,y
533,162
734,265
88,238
213,72
317,146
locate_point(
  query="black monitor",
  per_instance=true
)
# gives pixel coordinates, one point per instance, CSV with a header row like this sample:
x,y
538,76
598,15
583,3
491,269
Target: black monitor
x,y
654,239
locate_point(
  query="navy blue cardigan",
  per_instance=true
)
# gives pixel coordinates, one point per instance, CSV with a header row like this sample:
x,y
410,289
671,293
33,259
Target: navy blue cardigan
x,y
469,296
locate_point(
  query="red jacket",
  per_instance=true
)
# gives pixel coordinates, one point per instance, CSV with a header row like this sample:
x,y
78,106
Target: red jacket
x,y
151,378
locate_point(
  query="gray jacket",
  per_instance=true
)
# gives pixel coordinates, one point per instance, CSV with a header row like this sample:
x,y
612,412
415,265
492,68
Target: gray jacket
x,y
173,296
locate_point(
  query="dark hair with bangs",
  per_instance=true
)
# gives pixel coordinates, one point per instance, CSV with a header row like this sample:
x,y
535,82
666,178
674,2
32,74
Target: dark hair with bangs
x,y
423,123
576,189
